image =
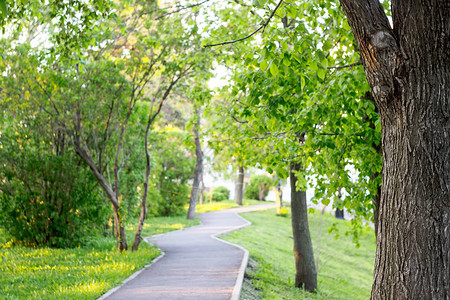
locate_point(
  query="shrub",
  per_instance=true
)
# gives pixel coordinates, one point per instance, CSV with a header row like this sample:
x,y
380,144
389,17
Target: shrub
x,y
217,196
220,193
172,166
259,187
49,200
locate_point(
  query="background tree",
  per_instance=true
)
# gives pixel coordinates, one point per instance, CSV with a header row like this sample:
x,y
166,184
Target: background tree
x,y
200,97
259,187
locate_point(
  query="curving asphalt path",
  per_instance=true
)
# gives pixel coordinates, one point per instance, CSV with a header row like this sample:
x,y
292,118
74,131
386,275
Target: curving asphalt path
x,y
196,265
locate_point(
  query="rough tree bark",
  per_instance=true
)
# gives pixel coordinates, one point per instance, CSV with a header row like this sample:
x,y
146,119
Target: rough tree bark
x,y
376,204
407,68
240,185
305,268
198,171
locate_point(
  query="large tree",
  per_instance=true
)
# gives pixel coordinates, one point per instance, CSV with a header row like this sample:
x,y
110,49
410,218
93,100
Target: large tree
x,y
407,67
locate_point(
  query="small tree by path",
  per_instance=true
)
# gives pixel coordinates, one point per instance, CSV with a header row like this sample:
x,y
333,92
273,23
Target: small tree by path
x,y
198,172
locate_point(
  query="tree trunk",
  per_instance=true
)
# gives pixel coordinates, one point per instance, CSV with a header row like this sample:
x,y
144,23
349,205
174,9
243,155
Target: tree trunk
x,y
408,71
376,204
279,197
198,169
305,269
119,230
83,151
339,213
143,214
240,185
201,199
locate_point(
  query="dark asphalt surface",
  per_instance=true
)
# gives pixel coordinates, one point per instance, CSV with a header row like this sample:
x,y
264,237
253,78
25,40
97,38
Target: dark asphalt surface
x,y
195,265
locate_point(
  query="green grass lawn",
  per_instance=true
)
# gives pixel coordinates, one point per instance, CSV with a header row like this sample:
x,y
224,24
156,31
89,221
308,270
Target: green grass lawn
x,y
80,273
344,271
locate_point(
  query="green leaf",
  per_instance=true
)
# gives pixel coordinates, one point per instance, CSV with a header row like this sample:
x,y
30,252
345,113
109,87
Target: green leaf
x,y
378,125
321,73
3,7
274,69
263,65
259,3
324,63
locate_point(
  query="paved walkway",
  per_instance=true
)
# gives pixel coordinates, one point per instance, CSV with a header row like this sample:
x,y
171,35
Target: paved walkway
x,y
196,265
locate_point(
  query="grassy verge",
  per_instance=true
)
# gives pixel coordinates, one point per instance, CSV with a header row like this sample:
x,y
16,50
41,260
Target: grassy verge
x,y
158,225
223,205
344,271
80,273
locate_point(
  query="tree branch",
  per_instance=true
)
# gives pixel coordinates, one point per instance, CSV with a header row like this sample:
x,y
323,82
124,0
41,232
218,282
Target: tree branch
x,y
180,9
234,118
263,27
359,62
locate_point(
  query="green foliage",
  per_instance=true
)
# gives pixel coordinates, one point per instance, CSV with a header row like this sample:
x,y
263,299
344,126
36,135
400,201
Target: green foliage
x,y
259,187
68,26
301,95
172,166
47,196
269,242
220,193
112,74
48,201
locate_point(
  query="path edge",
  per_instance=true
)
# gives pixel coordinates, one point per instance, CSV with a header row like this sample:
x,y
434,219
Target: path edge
x,y
240,279
154,261
134,275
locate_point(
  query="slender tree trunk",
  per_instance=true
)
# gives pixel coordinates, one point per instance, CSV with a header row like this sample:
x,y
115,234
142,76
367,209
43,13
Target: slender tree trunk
x,y
202,191
339,213
143,213
198,169
408,71
119,230
82,150
279,197
240,185
305,269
